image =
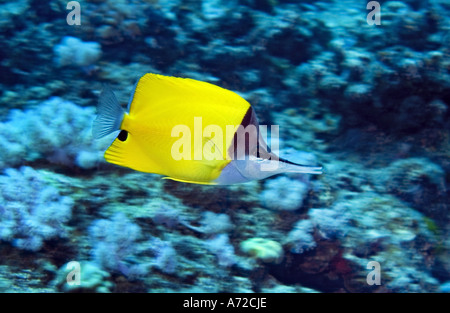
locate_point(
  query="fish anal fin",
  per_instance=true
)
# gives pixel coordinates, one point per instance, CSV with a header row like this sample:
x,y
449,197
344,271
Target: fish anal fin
x,y
190,181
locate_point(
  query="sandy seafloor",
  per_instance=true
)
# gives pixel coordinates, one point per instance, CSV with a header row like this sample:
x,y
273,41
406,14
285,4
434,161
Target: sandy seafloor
x,y
370,103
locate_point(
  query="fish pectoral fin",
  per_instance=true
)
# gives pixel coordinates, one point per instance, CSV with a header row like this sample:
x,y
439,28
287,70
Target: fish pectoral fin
x,y
109,114
126,151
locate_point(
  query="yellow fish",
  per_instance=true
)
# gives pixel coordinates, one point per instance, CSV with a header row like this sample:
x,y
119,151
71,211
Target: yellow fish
x,y
189,131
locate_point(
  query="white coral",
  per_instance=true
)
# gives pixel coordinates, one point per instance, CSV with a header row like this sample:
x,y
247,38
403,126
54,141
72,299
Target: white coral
x,y
73,51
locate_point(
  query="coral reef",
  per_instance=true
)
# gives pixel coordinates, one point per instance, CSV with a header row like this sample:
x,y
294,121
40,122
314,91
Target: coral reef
x,y
301,237
114,245
368,102
419,182
57,130
32,211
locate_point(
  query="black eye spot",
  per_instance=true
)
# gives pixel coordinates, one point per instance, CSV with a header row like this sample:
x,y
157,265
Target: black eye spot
x,y
123,135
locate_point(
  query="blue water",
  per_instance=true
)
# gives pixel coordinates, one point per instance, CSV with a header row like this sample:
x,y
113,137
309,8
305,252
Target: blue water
x,y
365,93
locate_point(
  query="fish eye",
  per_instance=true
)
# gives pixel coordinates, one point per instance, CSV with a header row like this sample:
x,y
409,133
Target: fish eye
x,y
123,135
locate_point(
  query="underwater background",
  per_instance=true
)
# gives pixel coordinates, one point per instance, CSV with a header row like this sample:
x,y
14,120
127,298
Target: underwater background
x,y
369,101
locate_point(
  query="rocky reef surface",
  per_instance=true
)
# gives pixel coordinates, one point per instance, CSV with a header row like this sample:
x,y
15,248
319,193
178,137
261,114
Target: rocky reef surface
x,y
368,102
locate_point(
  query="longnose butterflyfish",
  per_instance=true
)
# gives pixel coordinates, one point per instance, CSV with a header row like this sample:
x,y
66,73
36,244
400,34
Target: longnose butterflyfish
x,y
188,131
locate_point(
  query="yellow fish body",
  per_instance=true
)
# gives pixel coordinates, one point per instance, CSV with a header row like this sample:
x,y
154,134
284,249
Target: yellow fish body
x,y
189,131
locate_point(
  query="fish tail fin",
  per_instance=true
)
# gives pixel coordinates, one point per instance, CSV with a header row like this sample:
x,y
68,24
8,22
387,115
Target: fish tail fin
x,y
109,114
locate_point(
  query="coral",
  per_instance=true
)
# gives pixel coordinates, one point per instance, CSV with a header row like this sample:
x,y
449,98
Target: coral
x,y
213,223
419,182
445,287
8,11
31,210
115,245
358,93
166,256
220,245
283,193
168,216
92,279
300,238
268,251
331,223
4,285
73,51
56,130
285,40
